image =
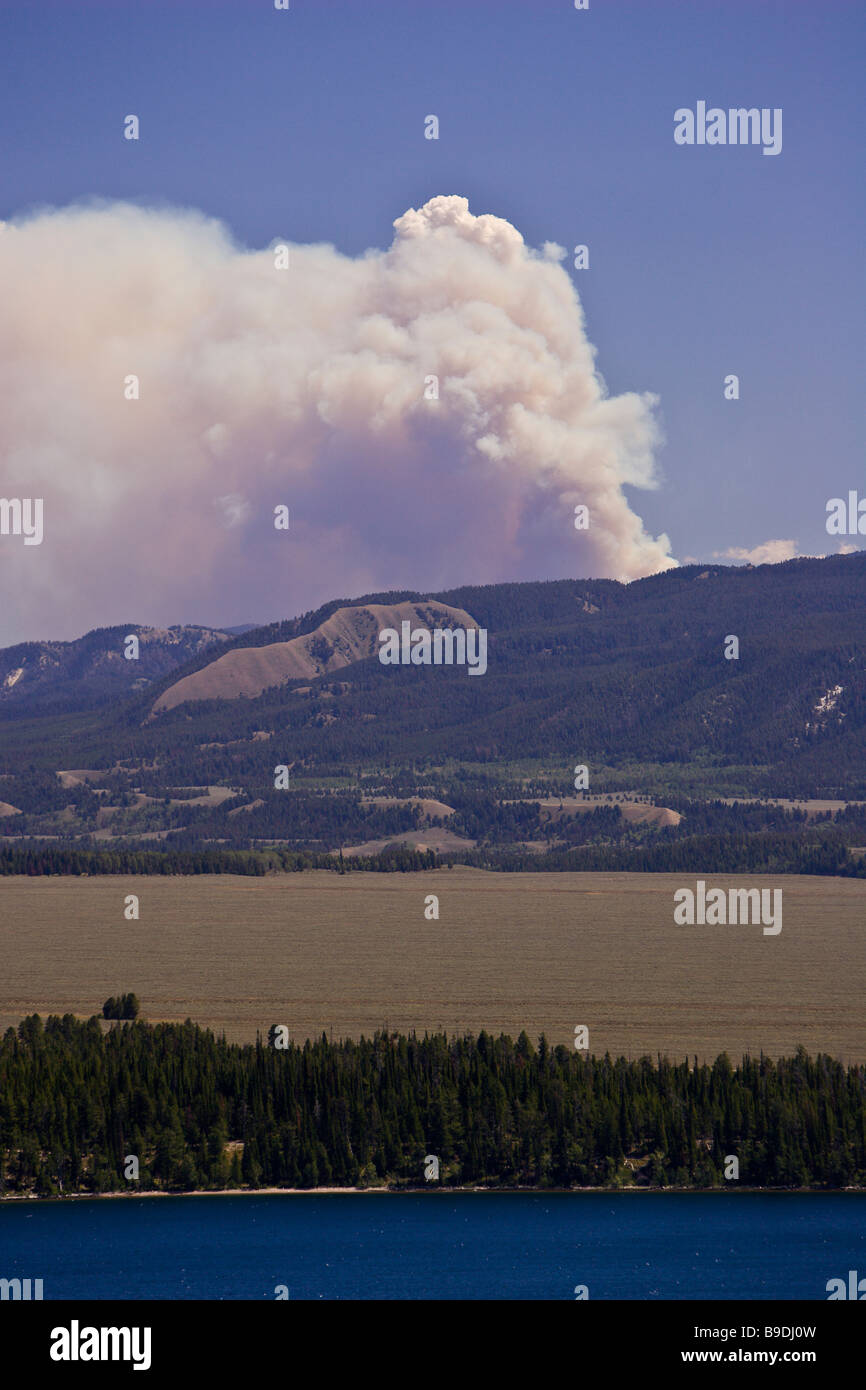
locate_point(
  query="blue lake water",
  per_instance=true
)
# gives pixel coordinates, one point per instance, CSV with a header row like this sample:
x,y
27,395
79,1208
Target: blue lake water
x,y
430,1246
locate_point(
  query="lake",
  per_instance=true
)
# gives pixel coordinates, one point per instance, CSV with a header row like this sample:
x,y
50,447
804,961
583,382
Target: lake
x,y
654,1245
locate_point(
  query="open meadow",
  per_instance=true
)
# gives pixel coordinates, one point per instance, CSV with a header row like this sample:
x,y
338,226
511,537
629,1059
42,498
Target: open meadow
x,y
348,954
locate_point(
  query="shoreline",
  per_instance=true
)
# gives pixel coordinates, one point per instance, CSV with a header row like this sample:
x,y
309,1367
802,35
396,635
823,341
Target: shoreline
x,y
422,1191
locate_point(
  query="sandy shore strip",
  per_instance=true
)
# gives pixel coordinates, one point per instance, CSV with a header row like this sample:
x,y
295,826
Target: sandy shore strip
x,y
414,1191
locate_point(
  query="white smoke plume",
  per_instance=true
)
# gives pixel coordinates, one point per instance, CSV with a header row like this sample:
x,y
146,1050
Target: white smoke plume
x,y
768,553
305,387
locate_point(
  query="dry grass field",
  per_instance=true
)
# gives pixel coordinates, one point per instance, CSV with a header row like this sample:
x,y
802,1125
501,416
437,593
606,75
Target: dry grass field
x,y
544,952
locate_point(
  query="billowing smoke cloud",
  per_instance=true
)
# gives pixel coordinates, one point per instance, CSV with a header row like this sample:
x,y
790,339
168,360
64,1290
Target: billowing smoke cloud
x,y
768,553
307,387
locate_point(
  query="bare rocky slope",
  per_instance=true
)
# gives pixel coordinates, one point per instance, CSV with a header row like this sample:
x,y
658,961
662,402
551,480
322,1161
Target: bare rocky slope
x,y
350,634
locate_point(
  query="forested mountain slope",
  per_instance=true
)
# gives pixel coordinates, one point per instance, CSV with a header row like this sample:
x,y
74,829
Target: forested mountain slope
x,y
578,671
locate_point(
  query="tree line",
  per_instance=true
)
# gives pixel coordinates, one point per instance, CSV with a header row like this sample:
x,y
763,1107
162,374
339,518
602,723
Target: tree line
x,y
198,1112
699,854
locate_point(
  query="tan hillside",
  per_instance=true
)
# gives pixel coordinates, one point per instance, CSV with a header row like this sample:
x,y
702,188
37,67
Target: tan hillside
x,y
350,634
638,812
76,777
443,841
429,807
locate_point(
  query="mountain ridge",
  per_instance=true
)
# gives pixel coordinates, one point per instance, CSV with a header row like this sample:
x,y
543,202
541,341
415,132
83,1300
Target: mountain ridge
x,y
590,671
92,669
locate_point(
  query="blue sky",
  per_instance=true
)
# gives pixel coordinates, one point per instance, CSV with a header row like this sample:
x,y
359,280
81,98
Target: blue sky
x,y
703,261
